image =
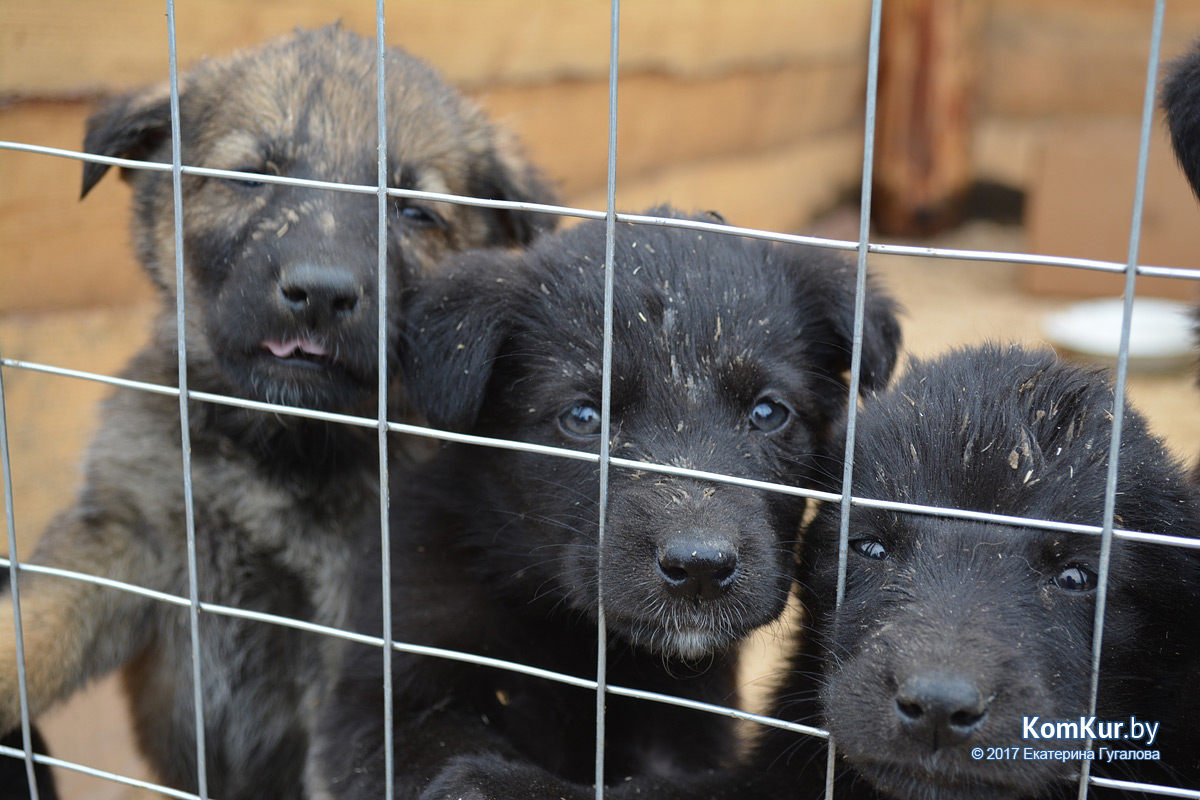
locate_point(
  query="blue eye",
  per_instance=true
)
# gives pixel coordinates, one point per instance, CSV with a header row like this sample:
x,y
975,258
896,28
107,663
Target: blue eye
x,y
769,415
869,548
419,215
1075,578
581,420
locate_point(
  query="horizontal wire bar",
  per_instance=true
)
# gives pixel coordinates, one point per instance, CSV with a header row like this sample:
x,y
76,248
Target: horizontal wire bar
x,y
306,183
470,658
559,452
773,722
1148,788
83,577
913,250
1028,522
51,761
415,649
1095,265
271,408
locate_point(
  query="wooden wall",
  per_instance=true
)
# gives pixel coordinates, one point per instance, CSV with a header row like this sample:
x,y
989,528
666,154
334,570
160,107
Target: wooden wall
x,y
750,107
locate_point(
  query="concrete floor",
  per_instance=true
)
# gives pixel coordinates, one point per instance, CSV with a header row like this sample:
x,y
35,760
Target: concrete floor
x,y
947,303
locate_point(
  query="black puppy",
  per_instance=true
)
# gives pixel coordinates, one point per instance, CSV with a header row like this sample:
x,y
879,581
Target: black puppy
x,y
1180,100
958,641
728,356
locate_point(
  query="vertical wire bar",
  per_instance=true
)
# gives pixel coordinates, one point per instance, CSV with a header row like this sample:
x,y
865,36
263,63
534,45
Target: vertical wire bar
x,y
13,572
184,424
1114,449
385,559
860,294
610,225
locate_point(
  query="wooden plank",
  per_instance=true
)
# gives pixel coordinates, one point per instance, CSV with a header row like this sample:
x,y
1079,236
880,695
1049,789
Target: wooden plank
x,y
60,252
65,47
664,121
1074,56
780,190
63,253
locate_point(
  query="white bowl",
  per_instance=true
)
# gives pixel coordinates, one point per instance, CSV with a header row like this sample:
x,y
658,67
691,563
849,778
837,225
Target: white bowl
x,y
1160,336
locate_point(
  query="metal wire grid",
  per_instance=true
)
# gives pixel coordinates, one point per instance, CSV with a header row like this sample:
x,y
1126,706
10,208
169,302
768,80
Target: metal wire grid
x,y
1131,269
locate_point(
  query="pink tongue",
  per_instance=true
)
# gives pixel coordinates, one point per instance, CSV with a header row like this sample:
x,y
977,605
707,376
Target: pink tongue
x,y
288,347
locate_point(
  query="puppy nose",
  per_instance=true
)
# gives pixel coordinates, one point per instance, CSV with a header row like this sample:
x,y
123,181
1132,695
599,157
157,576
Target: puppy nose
x,y
940,707
321,292
697,564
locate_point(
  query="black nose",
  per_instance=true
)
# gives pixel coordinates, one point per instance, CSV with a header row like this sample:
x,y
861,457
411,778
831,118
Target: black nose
x,y
697,564
940,707
320,292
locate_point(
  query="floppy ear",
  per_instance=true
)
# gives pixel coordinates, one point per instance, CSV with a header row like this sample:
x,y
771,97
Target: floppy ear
x,y
455,324
881,338
127,126
507,175
826,288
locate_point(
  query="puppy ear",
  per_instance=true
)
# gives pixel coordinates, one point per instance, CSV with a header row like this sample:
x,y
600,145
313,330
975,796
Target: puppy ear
x,y
455,324
1181,101
507,175
127,126
881,338
825,288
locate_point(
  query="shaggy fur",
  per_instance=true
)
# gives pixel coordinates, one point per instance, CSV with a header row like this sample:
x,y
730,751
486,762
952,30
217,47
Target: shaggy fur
x,y
1180,99
282,306
952,631
728,356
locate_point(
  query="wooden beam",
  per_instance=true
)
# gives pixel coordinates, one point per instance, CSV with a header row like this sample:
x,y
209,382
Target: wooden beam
x,y
57,48
928,56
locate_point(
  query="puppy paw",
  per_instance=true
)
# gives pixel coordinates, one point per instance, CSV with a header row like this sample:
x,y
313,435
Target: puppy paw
x,y
492,777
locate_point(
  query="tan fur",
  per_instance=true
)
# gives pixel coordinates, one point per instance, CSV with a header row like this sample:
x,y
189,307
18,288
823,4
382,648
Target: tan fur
x,y
278,500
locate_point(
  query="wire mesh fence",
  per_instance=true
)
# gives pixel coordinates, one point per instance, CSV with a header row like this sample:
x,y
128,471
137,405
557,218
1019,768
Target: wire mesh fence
x,y
1106,528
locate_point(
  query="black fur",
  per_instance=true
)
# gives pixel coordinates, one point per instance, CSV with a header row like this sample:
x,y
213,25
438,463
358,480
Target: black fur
x,y
728,356
1180,99
951,630
14,780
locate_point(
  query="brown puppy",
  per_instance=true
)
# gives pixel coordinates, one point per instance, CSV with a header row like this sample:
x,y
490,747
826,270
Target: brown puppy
x,y
281,286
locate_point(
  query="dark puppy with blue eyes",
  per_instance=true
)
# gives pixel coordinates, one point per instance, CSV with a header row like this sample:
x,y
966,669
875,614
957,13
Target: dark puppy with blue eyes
x,y
728,356
282,306
956,638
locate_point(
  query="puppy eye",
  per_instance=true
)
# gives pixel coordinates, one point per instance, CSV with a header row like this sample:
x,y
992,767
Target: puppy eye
x,y
245,183
769,415
581,420
1075,578
869,548
419,216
